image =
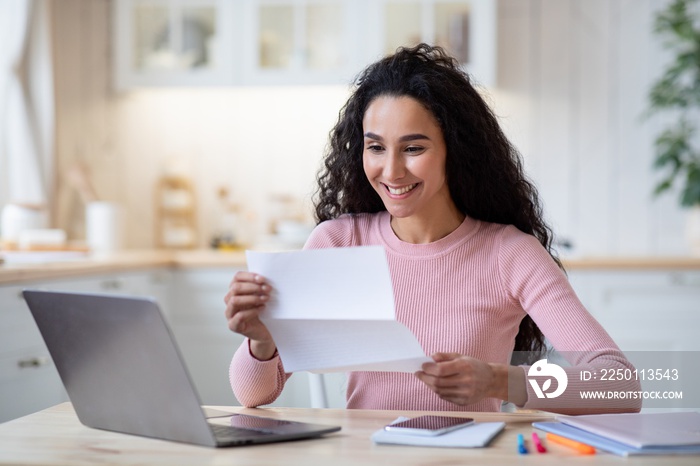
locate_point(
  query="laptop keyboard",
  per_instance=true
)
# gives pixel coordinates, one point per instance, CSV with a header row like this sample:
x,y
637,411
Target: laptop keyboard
x,y
229,434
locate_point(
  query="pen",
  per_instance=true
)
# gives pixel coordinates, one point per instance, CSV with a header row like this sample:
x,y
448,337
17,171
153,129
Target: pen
x,y
538,444
521,445
581,447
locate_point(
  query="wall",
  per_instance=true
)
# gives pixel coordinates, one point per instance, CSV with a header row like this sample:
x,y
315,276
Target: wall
x,y
257,142
572,83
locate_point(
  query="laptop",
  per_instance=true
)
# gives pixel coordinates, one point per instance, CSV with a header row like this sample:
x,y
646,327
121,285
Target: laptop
x,y
123,372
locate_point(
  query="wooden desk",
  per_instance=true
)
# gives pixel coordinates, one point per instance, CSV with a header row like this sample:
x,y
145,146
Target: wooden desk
x,y
56,437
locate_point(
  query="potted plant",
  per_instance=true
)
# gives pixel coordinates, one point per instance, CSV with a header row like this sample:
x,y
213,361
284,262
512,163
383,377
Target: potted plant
x,y
678,91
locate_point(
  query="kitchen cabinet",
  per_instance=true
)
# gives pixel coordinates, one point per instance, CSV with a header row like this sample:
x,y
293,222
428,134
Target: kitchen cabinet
x,y
28,379
290,42
643,307
173,42
192,302
644,310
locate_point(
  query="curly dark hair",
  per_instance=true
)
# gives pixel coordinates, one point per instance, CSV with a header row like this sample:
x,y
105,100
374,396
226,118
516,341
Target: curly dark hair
x,y
484,171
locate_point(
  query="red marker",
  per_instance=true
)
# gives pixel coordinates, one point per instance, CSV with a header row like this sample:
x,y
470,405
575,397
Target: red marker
x,y
538,444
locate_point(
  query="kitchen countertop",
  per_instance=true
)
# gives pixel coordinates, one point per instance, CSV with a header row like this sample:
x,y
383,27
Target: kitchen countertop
x,y
632,263
131,260
121,261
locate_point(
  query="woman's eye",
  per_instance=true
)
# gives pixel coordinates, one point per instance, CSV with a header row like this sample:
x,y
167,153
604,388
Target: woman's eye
x,y
374,148
414,149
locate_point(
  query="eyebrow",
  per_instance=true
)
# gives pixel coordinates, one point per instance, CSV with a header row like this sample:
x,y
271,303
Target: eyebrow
x,y
406,138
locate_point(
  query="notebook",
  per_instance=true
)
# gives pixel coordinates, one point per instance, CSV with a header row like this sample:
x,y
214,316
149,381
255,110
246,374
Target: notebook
x,y
475,435
123,372
641,430
611,446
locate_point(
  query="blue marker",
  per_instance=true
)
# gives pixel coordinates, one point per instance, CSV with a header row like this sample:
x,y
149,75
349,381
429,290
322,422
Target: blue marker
x,y
521,445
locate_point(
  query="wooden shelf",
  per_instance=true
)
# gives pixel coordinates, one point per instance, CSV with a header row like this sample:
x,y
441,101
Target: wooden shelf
x,y
176,215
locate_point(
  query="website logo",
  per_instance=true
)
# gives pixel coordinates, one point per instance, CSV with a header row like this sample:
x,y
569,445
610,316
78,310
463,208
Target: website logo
x,y
550,370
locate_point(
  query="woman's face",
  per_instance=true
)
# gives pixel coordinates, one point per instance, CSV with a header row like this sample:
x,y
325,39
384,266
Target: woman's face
x,y
404,157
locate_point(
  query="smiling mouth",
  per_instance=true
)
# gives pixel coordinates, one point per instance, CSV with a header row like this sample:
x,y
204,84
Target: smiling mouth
x,y
401,190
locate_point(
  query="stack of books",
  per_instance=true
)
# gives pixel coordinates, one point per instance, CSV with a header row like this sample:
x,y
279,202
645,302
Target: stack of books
x,y
632,434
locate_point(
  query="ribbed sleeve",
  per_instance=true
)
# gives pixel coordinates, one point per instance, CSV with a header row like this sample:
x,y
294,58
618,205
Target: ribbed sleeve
x,y
538,285
465,293
255,382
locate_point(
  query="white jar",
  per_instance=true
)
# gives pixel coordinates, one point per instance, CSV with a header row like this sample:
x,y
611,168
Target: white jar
x,y
16,218
104,226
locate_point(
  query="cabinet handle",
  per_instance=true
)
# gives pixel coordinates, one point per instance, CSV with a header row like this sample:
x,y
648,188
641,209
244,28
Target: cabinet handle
x,y
33,362
684,279
113,284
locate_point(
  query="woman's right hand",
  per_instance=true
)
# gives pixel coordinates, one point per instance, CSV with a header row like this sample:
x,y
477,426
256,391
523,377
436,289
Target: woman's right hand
x,y
246,297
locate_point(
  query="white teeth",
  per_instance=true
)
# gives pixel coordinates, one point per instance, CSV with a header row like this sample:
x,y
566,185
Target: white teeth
x,y
400,191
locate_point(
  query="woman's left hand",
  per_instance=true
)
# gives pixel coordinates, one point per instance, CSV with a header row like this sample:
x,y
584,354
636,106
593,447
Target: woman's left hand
x,y
459,379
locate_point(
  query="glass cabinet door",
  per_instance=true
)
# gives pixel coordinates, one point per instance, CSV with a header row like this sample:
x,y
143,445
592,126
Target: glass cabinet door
x,y
451,28
276,43
175,37
464,28
403,23
299,40
151,36
324,36
172,42
443,23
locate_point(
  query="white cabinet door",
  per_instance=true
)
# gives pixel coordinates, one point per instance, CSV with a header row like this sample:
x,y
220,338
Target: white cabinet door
x,y
173,42
206,343
28,379
645,310
197,320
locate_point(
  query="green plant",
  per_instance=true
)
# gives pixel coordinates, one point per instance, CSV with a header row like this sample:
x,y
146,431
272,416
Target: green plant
x,y
678,90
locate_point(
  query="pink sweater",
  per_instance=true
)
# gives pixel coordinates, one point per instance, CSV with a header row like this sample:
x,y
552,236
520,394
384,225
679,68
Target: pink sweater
x,y
465,293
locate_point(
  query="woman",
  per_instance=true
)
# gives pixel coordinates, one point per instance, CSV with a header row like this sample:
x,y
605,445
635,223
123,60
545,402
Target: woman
x,y
417,163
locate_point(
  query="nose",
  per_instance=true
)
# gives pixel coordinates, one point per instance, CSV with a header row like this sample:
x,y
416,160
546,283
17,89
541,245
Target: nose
x,y
394,167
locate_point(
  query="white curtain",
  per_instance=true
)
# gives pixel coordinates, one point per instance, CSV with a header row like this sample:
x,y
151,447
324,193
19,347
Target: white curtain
x,y
26,103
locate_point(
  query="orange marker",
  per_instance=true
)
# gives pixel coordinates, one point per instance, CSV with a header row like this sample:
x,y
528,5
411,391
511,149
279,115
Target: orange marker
x,y
580,447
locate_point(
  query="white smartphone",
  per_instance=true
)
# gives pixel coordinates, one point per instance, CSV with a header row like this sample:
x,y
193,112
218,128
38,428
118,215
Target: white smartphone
x,y
429,425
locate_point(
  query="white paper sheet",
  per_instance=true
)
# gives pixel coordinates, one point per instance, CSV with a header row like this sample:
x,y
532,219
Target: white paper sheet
x,y
332,310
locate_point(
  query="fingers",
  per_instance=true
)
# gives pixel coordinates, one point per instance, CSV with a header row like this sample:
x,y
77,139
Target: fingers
x,y
442,382
460,389
238,304
247,277
456,378
446,364
245,280
442,357
247,290
246,284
